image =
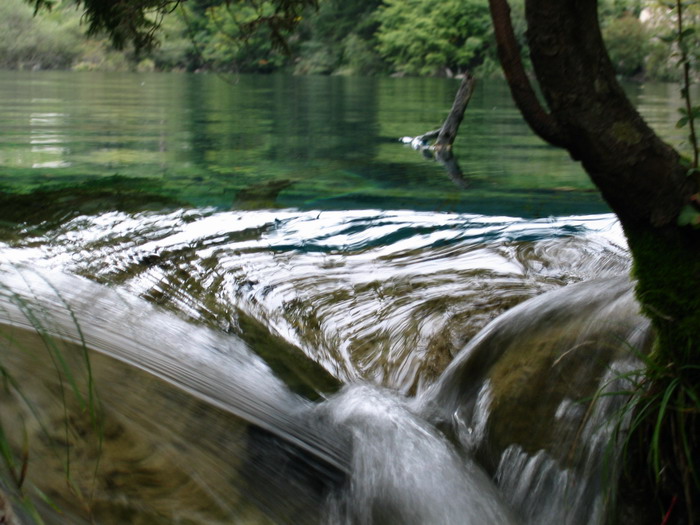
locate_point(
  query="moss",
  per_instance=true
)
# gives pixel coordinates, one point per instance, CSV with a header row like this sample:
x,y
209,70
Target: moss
x,y
56,202
666,440
535,379
667,269
262,195
301,374
625,132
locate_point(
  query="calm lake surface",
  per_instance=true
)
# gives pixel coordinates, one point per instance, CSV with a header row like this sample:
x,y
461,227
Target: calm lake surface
x,y
303,142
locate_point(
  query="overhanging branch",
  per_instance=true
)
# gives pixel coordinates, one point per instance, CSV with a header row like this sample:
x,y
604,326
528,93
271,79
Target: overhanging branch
x,y
524,95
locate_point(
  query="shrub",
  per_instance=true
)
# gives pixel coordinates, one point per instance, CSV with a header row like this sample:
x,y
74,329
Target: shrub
x,y
628,43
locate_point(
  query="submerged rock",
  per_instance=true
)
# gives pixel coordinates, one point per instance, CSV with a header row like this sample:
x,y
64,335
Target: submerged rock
x,y
118,412
529,396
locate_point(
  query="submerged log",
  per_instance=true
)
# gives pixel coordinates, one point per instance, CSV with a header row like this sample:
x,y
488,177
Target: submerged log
x,y
445,135
449,129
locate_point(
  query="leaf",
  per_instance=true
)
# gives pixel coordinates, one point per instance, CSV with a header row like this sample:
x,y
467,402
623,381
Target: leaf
x,y
656,435
682,122
689,216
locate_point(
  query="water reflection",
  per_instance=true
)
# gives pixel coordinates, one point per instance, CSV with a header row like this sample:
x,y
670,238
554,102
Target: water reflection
x,y
275,141
46,140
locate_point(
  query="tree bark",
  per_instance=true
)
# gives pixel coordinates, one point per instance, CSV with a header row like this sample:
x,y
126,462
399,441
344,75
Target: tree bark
x,y
523,94
448,131
647,185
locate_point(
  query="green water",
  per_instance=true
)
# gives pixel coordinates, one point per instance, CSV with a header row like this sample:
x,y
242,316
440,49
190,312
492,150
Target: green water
x,y
275,141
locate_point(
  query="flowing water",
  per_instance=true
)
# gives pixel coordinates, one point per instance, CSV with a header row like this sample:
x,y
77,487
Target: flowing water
x,y
284,309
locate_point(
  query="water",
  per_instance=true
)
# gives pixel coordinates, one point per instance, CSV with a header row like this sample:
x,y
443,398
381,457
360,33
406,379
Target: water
x,y
387,297
196,428
555,358
289,302
238,141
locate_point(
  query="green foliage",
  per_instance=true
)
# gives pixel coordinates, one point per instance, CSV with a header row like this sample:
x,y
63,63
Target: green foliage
x,y
28,43
317,59
659,64
359,58
339,38
137,22
126,22
612,9
425,38
176,48
627,42
227,45
358,37
664,50
684,38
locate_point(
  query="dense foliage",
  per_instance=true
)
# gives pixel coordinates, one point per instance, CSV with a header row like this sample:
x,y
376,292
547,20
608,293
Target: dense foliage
x,y
428,38
357,37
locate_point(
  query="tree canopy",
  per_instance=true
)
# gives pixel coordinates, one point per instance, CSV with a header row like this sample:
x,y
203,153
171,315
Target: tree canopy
x,y
358,37
420,37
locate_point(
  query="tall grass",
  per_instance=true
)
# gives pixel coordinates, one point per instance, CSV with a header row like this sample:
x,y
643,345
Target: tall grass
x,y
656,438
18,490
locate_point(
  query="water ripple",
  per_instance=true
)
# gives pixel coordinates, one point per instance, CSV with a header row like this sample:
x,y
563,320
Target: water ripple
x,y
386,296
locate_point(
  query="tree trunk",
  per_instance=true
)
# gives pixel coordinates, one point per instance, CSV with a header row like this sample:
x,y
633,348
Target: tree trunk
x,y
640,176
448,131
646,184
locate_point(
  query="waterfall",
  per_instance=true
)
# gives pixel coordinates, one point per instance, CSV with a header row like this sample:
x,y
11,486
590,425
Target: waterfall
x,y
190,420
195,427
529,398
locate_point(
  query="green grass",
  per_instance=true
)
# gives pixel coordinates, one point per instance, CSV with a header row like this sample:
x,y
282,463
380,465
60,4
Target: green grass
x,y
23,494
656,440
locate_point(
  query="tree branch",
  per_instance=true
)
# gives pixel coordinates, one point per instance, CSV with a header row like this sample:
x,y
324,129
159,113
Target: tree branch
x,y
524,95
441,150
448,131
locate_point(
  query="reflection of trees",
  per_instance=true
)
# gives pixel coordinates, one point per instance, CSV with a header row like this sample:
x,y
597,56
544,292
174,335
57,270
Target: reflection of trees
x,y
324,118
196,99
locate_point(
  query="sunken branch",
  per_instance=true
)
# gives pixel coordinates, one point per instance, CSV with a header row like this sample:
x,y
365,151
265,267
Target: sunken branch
x,y
446,134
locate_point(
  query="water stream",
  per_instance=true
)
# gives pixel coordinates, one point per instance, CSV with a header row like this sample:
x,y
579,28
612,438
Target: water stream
x,y
384,296
383,301
243,301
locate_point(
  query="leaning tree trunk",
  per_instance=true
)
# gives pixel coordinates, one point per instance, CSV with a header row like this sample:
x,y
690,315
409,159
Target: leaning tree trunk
x,y
645,182
445,135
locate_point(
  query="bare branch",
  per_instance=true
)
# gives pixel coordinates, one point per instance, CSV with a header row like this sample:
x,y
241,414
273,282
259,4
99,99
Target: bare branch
x,y
449,129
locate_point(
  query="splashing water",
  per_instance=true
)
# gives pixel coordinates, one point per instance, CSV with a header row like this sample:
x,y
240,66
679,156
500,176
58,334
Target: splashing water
x,y
375,297
387,297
